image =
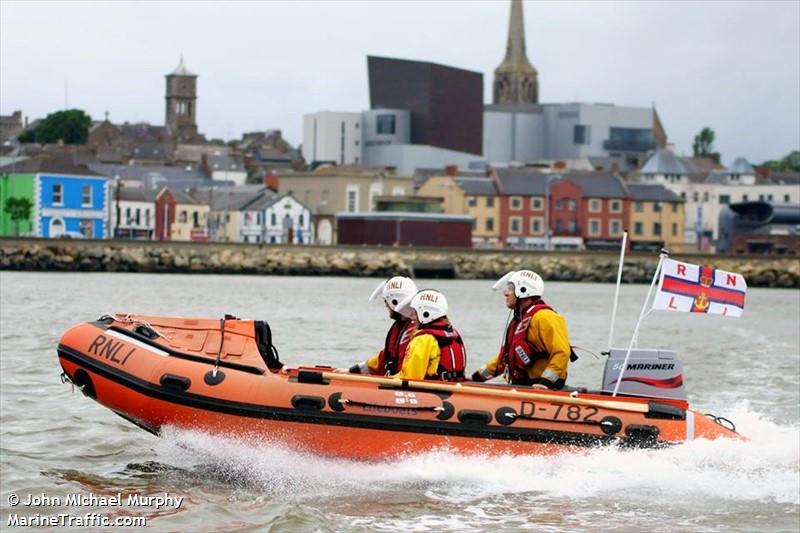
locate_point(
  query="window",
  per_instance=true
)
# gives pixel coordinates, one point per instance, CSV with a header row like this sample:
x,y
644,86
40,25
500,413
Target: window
x,y
58,194
559,225
472,201
86,196
514,224
559,204
537,204
594,226
273,220
695,196
536,225
769,197
786,198
398,190
580,134
615,227
128,215
258,218
195,219
705,196
674,208
351,199
657,228
301,220
760,197
638,207
138,218
744,197
595,205
615,206
571,205
724,199
87,228
656,207
674,229
147,218
573,226
385,124
638,228
490,201
683,195
182,217
489,224
516,203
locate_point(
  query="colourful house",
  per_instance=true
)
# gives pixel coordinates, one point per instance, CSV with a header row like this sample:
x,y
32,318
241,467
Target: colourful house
x,y
16,186
67,199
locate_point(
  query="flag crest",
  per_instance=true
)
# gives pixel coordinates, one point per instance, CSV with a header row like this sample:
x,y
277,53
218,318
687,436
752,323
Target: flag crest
x,y
691,288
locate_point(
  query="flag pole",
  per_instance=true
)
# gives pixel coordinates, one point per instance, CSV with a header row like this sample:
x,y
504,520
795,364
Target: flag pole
x,y
661,258
616,293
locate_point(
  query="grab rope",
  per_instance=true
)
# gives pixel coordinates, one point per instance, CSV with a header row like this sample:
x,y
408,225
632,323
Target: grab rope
x,y
722,421
129,319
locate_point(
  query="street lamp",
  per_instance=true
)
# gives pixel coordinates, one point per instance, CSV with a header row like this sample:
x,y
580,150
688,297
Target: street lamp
x,y
550,177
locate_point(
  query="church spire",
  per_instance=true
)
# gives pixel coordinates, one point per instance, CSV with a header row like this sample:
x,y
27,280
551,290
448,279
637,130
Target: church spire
x,y
515,80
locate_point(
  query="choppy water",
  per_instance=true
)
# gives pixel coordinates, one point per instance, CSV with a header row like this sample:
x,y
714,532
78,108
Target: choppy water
x,y
55,442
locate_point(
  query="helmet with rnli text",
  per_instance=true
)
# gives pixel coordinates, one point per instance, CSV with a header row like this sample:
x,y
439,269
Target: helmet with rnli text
x,y
526,283
429,304
394,291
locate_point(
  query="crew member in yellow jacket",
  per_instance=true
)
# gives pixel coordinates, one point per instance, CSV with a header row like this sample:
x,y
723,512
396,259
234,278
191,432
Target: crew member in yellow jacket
x,y
436,350
536,348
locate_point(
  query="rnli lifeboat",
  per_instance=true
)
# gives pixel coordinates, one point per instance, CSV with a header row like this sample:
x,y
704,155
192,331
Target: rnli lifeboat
x,y
223,376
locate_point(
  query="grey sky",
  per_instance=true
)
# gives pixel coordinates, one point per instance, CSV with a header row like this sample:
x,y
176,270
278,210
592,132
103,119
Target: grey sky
x,y
734,66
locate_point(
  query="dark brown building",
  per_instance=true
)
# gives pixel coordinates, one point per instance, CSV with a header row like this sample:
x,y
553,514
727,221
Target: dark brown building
x,y
405,229
446,103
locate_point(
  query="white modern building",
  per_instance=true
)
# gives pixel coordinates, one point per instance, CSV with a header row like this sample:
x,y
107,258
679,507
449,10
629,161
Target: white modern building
x,y
705,194
332,136
277,219
532,132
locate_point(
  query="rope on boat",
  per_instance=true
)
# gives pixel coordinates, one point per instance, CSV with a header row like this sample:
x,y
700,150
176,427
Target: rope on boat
x,y
722,421
129,319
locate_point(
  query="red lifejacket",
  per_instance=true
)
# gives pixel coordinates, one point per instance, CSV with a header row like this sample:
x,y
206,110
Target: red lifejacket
x,y
517,354
390,360
453,360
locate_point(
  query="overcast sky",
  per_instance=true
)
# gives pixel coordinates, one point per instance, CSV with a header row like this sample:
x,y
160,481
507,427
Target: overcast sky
x,y
733,66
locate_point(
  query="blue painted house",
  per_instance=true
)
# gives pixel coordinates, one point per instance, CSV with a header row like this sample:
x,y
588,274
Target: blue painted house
x,y
73,205
67,198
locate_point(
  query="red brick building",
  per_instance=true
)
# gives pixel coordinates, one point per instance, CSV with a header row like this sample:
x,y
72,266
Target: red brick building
x,y
165,214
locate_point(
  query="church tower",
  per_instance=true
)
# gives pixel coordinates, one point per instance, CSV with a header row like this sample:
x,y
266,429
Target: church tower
x,y
515,80
182,103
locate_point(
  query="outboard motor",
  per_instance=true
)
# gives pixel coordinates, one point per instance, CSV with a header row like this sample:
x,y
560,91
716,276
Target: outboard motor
x,y
650,373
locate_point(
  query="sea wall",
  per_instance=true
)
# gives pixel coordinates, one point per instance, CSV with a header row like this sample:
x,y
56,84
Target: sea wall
x,y
230,258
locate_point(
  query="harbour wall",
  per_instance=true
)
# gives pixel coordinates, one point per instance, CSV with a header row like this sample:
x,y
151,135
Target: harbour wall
x,y
236,258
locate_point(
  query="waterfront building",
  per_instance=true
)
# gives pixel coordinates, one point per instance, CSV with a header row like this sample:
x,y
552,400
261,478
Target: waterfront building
x,y
332,137
180,216
329,190
133,213
404,229
476,196
656,218
19,187
279,219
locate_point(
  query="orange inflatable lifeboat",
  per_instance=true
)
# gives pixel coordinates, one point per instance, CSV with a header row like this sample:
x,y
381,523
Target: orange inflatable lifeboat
x,y
223,376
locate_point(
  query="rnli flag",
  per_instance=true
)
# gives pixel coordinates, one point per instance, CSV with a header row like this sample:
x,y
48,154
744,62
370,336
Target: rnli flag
x,y
699,289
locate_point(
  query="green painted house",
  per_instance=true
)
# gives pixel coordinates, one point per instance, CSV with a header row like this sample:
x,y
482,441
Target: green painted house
x,y
16,186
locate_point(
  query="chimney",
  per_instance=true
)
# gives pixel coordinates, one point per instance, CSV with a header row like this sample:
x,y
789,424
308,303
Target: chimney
x,y
271,180
451,170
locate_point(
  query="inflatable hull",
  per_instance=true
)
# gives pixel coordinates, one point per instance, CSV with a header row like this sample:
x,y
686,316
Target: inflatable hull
x,y
214,376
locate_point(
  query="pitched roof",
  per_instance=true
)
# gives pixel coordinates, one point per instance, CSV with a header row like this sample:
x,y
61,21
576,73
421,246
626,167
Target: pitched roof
x,y
517,182
664,161
225,163
655,193
51,163
181,70
482,186
599,185
232,198
741,166
136,194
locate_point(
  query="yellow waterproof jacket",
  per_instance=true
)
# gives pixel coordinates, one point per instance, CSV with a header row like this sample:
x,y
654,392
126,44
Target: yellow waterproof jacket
x,y
547,331
422,358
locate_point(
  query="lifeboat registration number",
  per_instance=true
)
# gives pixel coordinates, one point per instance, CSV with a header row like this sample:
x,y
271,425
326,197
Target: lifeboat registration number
x,y
561,412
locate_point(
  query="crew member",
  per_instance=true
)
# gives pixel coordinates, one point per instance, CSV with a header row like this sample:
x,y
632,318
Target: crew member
x,y
436,350
536,348
390,359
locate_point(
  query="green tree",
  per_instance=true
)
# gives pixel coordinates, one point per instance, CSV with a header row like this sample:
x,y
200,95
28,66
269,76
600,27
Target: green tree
x,y
703,142
71,126
19,209
790,163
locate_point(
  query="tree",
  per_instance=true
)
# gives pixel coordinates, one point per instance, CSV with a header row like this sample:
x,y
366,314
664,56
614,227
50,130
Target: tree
x,y
19,209
790,163
703,142
71,126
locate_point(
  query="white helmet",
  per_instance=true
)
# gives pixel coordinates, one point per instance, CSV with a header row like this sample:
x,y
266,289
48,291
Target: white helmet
x,y
394,291
429,305
526,283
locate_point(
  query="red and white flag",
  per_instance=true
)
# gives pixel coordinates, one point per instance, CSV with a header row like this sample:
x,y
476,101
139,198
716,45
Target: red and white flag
x,y
699,289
